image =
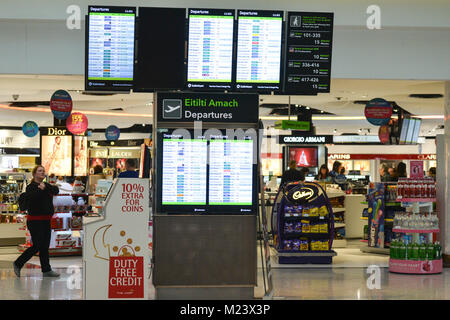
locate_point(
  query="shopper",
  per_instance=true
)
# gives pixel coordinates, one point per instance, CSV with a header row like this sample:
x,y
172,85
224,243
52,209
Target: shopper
x,y
384,175
324,174
336,168
93,179
39,204
341,179
130,170
292,175
393,177
305,171
432,172
401,170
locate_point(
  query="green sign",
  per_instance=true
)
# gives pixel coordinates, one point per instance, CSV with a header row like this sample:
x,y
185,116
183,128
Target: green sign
x,y
293,125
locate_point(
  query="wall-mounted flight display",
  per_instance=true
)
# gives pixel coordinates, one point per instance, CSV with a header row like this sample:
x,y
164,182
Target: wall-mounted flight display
x,y
309,40
160,51
210,49
206,172
259,41
110,38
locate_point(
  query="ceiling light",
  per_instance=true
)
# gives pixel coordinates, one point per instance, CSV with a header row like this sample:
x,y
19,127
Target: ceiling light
x,y
359,130
334,131
307,108
321,111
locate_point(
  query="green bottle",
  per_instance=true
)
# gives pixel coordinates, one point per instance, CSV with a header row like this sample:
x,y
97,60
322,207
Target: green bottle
x,y
401,251
409,251
437,251
423,252
415,251
392,249
430,251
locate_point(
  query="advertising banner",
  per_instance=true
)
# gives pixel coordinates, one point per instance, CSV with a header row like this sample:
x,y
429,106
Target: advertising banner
x,y
116,248
77,123
61,104
376,216
378,111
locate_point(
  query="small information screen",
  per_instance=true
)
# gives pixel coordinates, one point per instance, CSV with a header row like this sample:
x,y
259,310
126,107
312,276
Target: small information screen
x,y
110,48
309,40
259,50
210,49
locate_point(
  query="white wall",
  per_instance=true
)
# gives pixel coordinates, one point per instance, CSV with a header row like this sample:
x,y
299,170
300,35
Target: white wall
x,y
413,43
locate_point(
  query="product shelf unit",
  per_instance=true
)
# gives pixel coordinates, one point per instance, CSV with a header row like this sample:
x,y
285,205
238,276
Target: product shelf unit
x,y
297,246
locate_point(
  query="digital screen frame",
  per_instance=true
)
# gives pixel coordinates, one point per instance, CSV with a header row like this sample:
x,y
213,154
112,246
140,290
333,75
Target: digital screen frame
x,y
210,49
303,159
219,182
251,59
104,70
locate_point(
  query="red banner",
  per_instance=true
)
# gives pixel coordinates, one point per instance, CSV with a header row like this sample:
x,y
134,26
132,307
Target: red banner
x,y
353,156
126,277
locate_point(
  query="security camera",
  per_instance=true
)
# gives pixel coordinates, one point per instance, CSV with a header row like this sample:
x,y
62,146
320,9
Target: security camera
x,y
15,97
338,98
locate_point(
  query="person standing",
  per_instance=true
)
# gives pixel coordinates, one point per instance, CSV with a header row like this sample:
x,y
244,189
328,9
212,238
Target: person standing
x,y
401,170
292,175
39,204
130,170
323,175
384,175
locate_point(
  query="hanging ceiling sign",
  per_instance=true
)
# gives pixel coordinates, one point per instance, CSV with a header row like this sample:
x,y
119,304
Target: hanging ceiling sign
x,y
61,104
378,111
112,133
30,129
77,123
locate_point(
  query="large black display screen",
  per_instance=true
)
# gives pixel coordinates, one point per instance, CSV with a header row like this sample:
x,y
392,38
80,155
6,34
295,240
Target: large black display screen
x,y
206,171
110,36
160,50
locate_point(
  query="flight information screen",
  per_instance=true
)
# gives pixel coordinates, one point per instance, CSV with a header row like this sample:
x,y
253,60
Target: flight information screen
x,y
259,50
206,173
110,48
210,49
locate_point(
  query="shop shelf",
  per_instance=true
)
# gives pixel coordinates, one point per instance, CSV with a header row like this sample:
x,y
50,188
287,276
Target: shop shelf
x,y
386,220
306,235
337,210
417,200
339,225
298,217
398,230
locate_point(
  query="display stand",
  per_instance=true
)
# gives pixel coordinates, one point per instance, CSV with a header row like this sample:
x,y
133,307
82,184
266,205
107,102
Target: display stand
x,y
12,231
305,225
416,265
338,199
115,245
204,211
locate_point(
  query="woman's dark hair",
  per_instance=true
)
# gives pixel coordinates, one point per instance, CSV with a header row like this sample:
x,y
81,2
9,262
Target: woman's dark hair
x,y
336,166
432,171
98,169
401,170
342,171
320,176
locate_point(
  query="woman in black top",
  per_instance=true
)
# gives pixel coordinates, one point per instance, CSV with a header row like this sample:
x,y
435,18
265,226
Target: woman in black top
x,y
38,200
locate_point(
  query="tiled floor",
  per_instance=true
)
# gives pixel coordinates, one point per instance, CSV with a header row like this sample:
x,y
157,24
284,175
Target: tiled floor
x,y
346,278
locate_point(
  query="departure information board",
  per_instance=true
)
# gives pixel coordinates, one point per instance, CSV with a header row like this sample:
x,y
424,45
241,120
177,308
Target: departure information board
x,y
206,173
309,39
259,50
210,49
184,170
110,48
230,172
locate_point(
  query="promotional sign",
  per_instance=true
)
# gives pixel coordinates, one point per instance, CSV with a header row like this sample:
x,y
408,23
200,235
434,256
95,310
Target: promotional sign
x,y
416,169
56,154
376,216
378,112
61,104
30,129
77,123
304,157
207,107
384,134
115,249
112,133
309,40
305,139
80,156
294,125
